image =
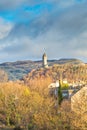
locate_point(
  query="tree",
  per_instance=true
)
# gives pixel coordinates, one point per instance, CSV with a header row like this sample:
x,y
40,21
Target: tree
x,y
3,76
60,97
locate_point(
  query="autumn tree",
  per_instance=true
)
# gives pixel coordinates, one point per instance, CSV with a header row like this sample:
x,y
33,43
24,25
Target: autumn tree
x,y
3,76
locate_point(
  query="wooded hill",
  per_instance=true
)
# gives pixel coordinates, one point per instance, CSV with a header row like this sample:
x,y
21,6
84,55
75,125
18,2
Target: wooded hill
x,y
73,73
16,70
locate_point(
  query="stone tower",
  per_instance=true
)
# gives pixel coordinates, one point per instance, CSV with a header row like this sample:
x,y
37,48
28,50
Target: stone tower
x,y
44,58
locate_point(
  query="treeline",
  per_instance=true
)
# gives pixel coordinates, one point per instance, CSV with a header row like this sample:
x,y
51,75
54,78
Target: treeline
x,y
72,73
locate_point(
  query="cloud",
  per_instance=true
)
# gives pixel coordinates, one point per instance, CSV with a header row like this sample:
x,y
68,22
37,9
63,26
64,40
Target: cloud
x,y
5,28
69,22
11,5
61,32
55,47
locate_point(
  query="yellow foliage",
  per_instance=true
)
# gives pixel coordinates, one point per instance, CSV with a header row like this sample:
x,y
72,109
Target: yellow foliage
x,y
33,108
26,92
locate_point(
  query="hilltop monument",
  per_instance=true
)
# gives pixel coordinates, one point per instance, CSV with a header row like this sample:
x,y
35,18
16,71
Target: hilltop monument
x,y
44,59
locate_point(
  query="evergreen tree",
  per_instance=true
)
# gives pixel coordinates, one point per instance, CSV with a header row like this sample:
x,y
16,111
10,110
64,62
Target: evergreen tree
x,y
60,97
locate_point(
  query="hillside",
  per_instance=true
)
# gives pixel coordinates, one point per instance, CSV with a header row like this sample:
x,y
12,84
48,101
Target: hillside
x,y
17,70
73,73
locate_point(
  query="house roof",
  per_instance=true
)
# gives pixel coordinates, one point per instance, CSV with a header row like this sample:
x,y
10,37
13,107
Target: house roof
x,y
79,93
79,101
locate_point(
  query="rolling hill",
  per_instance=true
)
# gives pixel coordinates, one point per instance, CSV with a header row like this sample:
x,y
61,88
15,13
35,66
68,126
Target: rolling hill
x,y
17,70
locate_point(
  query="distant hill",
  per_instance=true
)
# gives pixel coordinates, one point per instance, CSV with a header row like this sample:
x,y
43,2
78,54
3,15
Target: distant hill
x,y
66,61
16,70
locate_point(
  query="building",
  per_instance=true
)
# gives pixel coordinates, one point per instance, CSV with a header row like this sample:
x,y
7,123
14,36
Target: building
x,y
79,101
66,93
65,81
53,88
44,59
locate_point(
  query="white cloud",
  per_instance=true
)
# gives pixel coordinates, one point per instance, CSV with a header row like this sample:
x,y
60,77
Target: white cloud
x,y
5,28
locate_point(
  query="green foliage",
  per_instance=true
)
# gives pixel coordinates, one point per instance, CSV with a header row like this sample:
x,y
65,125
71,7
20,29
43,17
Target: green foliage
x,y
60,97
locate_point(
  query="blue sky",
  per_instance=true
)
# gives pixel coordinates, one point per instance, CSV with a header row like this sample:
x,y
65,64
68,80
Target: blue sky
x,y
30,27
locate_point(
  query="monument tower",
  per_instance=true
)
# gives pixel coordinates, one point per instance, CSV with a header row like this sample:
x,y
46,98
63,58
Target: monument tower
x,y
44,58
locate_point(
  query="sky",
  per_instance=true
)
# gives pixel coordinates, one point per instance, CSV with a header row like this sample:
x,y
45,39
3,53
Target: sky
x,y
28,28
